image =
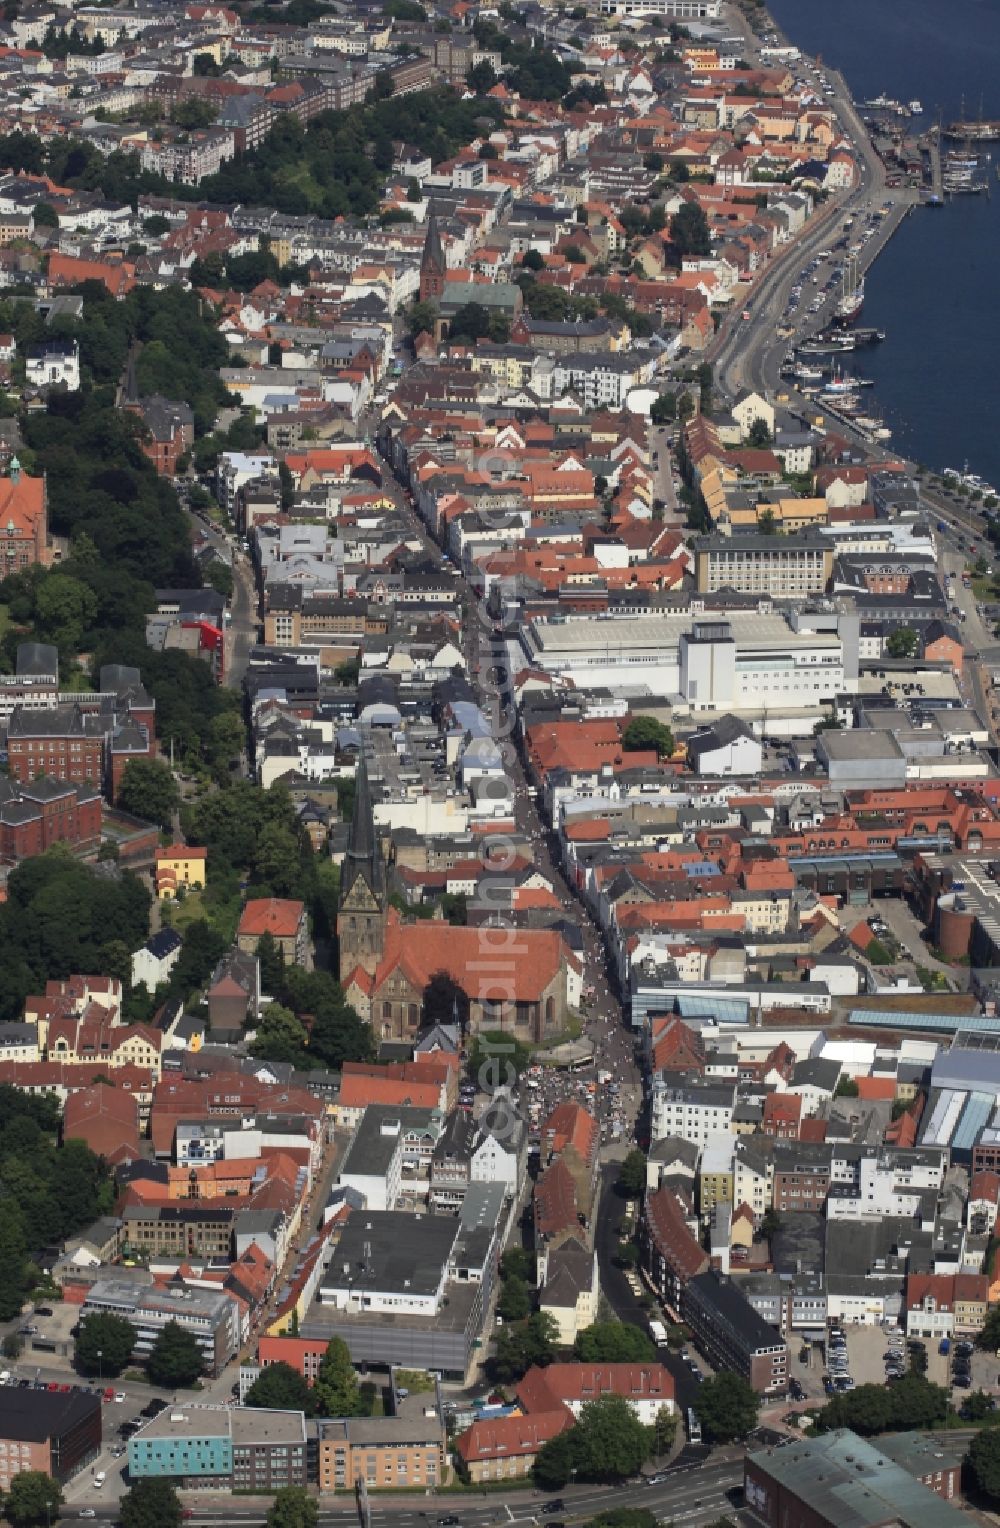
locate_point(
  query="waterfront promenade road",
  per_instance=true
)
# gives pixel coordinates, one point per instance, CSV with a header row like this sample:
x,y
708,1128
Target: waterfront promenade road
x,y
748,353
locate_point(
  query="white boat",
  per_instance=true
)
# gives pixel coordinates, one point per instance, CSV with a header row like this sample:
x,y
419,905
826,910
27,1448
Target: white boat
x,y
916,108
853,294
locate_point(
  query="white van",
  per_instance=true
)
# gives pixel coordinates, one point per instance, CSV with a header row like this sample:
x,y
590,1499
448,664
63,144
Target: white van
x,y
5,1377
99,1480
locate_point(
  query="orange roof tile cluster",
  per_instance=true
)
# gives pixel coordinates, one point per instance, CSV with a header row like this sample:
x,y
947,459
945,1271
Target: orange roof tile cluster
x,y
106,1118
512,1437
22,504
422,951
574,1384
117,277
570,1125
278,916
358,1092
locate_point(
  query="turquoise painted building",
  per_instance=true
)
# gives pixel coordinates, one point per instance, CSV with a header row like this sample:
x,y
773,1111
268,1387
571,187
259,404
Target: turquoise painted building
x,y
206,1450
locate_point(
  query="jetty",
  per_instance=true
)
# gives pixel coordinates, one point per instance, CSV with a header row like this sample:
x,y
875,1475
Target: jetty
x,y
934,161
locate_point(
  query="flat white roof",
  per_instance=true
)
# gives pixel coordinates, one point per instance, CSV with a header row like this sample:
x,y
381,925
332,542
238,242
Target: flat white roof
x,y
749,629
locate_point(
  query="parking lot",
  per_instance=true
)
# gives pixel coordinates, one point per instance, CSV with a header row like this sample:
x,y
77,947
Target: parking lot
x,y
866,1347
50,1366
894,924
867,1353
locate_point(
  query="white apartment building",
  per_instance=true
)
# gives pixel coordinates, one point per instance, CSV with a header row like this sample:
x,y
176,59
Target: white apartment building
x,y
693,1111
890,1184
501,1154
236,468
753,1177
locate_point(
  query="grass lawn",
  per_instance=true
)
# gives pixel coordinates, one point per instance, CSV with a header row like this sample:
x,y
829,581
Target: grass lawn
x,y
78,682
223,916
187,911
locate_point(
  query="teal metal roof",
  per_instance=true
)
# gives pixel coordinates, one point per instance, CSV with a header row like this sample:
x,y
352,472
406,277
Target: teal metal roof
x,y
702,1005
948,1023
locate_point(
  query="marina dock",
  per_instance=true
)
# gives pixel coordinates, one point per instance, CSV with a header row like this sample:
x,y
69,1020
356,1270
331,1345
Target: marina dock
x,y
934,162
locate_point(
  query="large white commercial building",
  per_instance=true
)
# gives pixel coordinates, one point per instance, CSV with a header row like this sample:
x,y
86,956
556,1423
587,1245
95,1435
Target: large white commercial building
x,y
743,662
676,10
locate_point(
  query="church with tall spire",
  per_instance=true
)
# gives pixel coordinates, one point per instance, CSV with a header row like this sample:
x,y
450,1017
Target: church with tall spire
x,y
432,262
361,916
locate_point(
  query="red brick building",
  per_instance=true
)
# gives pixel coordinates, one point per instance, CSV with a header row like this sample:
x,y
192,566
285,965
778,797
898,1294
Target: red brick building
x,y
39,813
24,524
897,1484
782,1116
88,741
169,432
801,1177
305,1354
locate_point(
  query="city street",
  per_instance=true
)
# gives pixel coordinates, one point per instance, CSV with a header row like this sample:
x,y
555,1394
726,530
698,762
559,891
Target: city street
x,y
487,658
693,1495
664,487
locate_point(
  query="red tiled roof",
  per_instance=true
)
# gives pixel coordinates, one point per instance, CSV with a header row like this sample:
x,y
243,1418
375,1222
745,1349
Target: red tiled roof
x,y
874,1088
570,1383
938,1286
985,1185
673,1238
972,1286
425,950
277,916
570,1124
555,1206
358,1092
511,1437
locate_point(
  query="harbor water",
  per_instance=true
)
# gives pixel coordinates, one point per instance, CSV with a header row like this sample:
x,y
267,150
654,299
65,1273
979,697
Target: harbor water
x,y
934,289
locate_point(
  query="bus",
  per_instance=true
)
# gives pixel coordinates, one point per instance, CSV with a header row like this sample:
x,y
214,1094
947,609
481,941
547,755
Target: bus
x,y
694,1426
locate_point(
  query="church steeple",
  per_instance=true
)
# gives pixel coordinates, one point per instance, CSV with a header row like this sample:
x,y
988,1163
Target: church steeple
x,y
361,845
432,261
363,900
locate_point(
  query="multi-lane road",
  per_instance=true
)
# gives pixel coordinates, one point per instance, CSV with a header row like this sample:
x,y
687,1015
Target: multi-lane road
x,y
749,352
691,1494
